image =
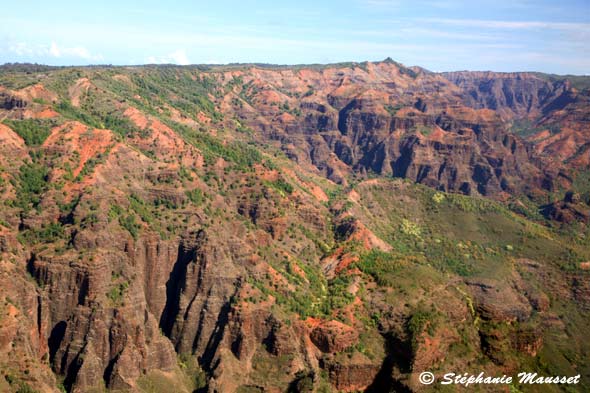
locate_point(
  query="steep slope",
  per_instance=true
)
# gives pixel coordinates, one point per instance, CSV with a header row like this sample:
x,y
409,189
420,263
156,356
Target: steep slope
x,y
386,119
512,94
552,112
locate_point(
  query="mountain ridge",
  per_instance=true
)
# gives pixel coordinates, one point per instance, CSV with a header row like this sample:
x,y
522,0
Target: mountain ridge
x,y
21,66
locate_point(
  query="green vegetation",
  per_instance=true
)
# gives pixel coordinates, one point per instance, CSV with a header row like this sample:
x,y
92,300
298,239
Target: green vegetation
x,y
194,375
419,321
380,265
128,222
33,131
195,196
67,110
393,109
265,364
524,128
156,381
282,186
410,228
337,296
424,130
190,92
582,184
97,117
117,292
303,383
431,240
314,296
317,302
18,385
48,233
89,166
454,233
243,155
140,207
32,182
156,89
286,108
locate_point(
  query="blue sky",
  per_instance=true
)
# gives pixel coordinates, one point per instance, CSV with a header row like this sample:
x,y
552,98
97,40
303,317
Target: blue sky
x,y
441,35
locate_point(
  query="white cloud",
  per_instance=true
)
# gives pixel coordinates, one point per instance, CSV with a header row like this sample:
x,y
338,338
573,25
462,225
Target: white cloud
x,y
501,24
77,51
21,49
52,50
381,3
177,57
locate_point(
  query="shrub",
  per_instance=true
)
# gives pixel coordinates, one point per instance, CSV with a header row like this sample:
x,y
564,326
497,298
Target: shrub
x,y
379,265
128,222
283,187
32,182
139,206
419,321
438,197
241,154
33,131
195,196
67,110
116,293
47,234
410,228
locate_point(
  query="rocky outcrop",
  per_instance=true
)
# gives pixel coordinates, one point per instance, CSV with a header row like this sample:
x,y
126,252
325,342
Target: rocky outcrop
x,y
353,377
528,341
184,289
10,102
333,336
101,328
361,121
24,350
570,209
511,94
498,302
198,295
548,109
580,287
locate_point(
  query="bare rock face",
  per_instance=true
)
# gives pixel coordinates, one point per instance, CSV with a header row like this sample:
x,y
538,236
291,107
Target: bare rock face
x,y
24,352
431,351
570,209
557,113
353,377
333,336
93,338
500,305
498,301
528,341
198,292
184,289
9,102
452,142
511,94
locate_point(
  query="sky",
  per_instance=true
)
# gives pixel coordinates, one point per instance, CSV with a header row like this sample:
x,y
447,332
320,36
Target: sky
x,y
440,35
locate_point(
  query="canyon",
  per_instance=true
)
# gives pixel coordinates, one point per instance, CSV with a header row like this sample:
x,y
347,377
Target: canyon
x,y
259,228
